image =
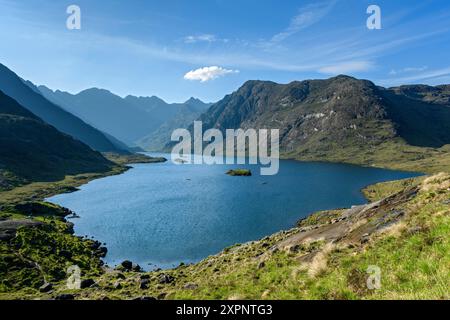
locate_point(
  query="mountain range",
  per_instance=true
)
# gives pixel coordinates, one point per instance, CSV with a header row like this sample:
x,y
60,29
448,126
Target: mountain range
x,y
32,150
339,118
138,121
15,87
47,134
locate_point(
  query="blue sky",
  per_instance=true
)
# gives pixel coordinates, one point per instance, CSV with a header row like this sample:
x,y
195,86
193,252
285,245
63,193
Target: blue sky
x,y
208,48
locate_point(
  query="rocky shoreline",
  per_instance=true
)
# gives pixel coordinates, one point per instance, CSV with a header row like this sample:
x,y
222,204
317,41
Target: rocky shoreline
x,y
45,233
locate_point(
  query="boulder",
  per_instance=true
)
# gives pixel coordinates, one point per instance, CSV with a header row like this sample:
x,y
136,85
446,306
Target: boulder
x,y
143,284
46,287
190,286
86,283
365,238
127,265
136,268
166,279
66,254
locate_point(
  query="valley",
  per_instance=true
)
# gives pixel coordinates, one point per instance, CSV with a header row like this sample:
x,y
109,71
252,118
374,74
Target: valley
x,y
52,144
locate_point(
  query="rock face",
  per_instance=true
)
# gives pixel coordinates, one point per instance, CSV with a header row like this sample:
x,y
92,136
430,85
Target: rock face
x,y
8,228
324,116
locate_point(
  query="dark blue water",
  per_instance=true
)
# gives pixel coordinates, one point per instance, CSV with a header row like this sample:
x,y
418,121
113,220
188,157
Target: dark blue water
x,y
164,214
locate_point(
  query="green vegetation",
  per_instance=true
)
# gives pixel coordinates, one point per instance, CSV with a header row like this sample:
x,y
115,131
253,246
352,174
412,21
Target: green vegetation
x,y
325,257
41,190
35,151
239,172
37,244
42,252
124,159
396,155
384,189
403,231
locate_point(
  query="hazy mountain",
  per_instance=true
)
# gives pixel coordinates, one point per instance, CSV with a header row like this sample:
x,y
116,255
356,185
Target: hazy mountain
x,y
106,111
134,120
185,115
64,121
328,117
35,151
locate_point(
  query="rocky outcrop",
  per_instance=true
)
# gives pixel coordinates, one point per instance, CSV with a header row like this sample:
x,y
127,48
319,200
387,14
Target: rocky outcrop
x,y
8,228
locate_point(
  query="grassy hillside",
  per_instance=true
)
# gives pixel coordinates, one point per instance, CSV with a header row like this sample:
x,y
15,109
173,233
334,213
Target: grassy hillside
x,y
403,232
35,151
328,256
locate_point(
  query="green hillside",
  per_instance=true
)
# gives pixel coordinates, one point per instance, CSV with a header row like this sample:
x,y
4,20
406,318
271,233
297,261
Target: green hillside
x,y
35,151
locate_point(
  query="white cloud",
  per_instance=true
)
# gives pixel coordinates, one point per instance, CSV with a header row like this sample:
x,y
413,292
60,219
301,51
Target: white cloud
x,y
307,16
200,38
428,76
347,67
408,70
208,73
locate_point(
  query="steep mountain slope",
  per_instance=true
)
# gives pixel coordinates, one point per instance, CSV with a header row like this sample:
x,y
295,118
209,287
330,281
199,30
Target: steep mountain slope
x,y
337,118
35,151
438,94
134,120
106,111
64,121
184,116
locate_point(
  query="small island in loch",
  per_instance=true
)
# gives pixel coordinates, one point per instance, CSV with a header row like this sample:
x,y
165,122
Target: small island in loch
x,y
239,172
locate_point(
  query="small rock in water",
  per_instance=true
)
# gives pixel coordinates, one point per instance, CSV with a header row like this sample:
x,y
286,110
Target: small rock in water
x,y
127,265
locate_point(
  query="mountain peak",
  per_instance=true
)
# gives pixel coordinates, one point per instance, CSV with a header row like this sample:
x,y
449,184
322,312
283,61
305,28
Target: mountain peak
x,y
95,90
193,100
